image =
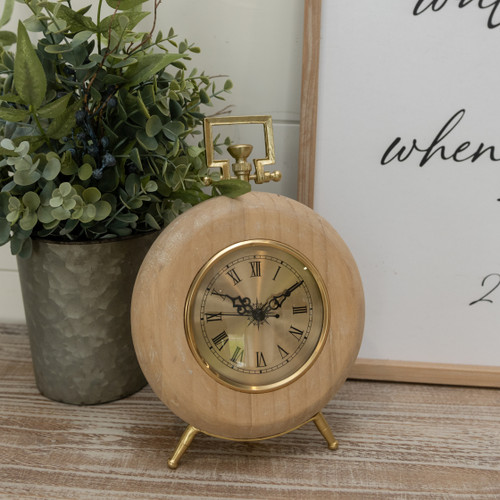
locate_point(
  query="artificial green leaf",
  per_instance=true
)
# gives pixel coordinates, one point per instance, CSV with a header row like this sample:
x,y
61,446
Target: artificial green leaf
x,y
77,212
14,203
205,99
8,8
195,151
124,63
69,203
12,217
61,213
58,49
136,158
153,126
76,20
81,37
7,144
55,108
68,166
173,130
89,213
148,94
150,221
52,169
23,148
124,4
65,189
85,172
28,221
64,123
31,200
13,114
26,177
77,57
68,227
7,38
103,210
143,108
91,195
58,26
148,66
86,66
48,228
175,109
148,143
26,249
113,80
29,75
46,193
4,231
45,215
191,196
33,24
96,95
127,218
20,245
10,98
232,188
4,204
123,21
112,21
57,199
150,187
132,184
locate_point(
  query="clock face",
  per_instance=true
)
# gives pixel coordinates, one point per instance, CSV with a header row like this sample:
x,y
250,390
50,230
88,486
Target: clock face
x,y
256,315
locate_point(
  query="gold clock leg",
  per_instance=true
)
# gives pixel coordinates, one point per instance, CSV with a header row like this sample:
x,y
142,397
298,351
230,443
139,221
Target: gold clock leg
x,y
184,442
325,430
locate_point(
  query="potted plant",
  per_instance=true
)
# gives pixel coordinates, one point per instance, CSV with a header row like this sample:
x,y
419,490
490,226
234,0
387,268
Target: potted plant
x,y
98,124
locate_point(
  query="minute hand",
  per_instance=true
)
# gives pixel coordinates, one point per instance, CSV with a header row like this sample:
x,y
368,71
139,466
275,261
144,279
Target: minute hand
x,y
276,301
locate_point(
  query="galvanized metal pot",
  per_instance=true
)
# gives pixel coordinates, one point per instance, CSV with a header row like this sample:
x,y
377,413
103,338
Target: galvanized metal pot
x,y
77,303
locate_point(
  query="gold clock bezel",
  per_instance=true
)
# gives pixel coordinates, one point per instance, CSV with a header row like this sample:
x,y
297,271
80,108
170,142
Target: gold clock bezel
x,y
193,291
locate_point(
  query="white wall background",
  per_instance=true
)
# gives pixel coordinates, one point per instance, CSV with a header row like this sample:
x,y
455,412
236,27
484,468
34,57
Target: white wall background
x,y
258,44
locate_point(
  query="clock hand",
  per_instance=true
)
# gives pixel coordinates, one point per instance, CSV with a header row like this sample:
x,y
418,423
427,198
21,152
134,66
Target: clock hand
x,y
276,301
213,315
243,305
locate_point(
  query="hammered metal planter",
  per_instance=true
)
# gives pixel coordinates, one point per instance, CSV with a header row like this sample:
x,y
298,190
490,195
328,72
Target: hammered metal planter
x,y
77,303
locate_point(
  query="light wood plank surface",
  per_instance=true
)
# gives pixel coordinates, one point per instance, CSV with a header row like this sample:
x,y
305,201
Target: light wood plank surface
x,y
309,101
427,373
397,441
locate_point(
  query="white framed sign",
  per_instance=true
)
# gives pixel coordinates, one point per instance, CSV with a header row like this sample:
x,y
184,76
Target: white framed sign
x,y
408,171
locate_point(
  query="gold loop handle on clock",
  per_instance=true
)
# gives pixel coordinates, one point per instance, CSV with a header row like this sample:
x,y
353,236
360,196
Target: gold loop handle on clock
x,y
240,152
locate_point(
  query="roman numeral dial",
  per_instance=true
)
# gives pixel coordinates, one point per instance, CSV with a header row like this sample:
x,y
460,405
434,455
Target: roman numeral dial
x,y
256,315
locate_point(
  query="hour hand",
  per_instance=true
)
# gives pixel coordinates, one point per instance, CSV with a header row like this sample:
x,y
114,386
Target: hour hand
x,y
243,305
276,301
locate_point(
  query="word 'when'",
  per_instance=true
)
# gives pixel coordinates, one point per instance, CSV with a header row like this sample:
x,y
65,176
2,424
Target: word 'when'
x,y
458,154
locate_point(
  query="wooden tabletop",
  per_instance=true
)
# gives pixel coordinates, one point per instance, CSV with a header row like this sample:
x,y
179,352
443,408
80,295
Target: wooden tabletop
x,y
397,441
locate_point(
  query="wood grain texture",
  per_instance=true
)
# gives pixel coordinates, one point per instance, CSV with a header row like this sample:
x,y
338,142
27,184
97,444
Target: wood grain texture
x,y
427,373
309,101
160,295
397,441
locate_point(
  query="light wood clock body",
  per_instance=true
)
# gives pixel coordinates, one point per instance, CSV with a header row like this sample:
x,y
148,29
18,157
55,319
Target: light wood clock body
x,y
247,315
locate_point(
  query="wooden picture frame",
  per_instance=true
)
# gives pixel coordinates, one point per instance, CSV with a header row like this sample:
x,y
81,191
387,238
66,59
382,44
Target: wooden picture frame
x,y
374,369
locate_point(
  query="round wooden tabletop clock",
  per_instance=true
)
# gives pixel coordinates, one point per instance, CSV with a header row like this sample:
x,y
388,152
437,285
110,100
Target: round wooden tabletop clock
x,y
247,313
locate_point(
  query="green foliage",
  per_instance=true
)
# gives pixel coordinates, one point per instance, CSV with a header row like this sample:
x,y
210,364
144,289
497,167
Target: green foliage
x,y
98,125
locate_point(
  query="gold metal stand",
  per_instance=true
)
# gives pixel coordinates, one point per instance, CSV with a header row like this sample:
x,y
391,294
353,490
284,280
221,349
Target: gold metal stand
x,y
191,431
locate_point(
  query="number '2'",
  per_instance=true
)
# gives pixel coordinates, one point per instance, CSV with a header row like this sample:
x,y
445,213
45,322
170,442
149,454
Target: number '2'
x,y
483,298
